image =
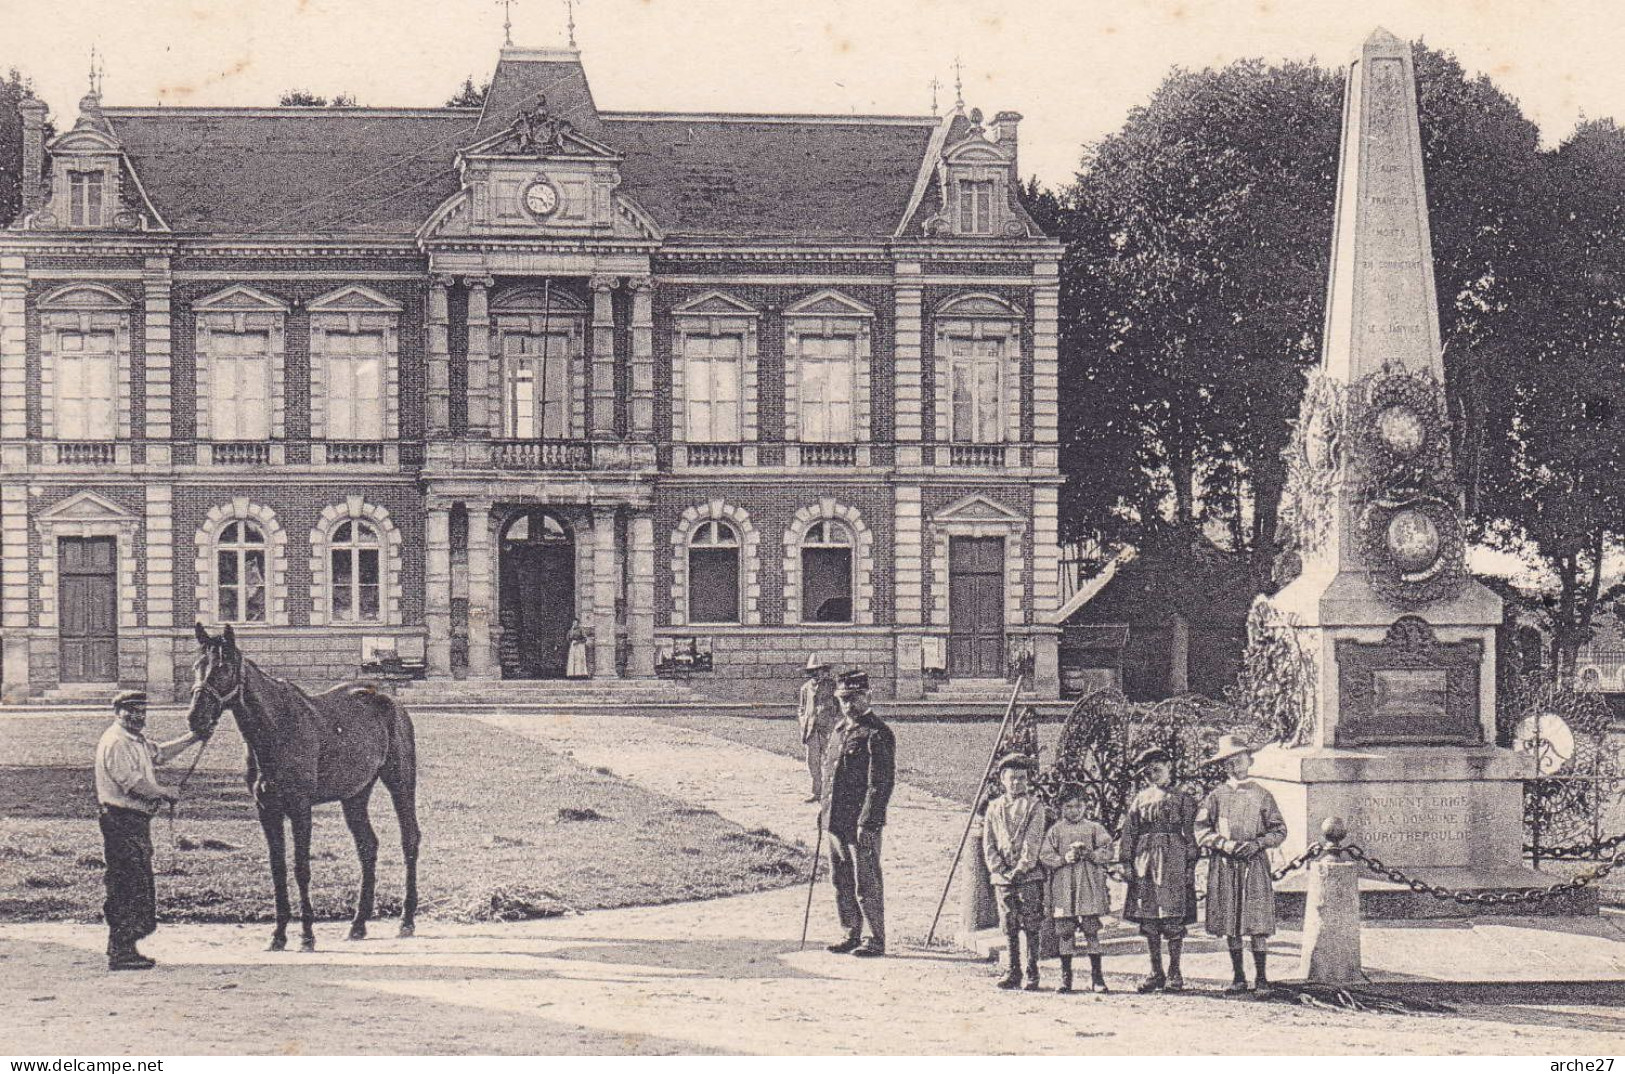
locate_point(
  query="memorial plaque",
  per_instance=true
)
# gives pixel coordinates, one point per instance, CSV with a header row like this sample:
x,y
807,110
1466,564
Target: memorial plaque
x,y
1409,689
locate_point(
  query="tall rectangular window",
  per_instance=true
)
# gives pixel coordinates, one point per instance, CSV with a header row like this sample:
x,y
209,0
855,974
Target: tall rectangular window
x,y
828,371
85,199
974,372
86,386
712,366
976,207
536,385
355,385
240,384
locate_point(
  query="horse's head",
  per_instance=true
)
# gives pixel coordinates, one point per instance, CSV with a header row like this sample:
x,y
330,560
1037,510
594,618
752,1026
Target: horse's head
x,y
217,680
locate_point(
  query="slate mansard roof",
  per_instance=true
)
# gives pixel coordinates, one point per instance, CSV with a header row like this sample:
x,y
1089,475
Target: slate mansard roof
x,y
384,171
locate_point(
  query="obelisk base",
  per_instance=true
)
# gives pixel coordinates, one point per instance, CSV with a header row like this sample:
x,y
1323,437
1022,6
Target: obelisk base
x,y
1449,816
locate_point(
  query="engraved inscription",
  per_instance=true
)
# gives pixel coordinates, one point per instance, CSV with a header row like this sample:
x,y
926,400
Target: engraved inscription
x,y
1411,820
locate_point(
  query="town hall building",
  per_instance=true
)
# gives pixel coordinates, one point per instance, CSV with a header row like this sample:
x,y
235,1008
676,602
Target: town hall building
x,y
716,392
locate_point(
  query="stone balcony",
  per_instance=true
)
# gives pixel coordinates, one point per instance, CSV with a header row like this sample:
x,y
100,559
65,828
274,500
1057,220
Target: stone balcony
x,y
540,456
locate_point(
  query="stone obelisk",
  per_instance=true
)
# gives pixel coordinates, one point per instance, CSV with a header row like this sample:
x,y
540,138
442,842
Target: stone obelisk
x,y
1383,637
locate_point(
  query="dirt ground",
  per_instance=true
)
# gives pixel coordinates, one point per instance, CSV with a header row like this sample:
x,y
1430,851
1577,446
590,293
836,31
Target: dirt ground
x,y
727,975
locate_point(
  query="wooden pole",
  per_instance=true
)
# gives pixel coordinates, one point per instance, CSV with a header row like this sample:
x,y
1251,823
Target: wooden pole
x,y
993,759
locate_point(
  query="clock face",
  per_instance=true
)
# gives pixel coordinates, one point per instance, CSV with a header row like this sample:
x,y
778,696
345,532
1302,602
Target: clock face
x,y
541,198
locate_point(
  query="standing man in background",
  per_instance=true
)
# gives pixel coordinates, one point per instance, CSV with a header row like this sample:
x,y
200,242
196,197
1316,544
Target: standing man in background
x,y
860,766
818,712
129,794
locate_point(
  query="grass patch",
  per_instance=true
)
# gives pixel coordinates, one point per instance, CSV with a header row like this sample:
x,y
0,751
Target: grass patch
x,y
510,831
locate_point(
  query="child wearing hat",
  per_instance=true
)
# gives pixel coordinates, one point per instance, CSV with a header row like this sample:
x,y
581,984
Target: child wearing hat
x,y
1158,843
1240,822
1012,839
1076,850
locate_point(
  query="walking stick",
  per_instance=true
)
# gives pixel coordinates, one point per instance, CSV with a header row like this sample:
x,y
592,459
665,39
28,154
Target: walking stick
x,y
812,881
981,789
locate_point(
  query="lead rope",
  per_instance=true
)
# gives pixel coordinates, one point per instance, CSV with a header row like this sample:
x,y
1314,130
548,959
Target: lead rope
x,y
174,850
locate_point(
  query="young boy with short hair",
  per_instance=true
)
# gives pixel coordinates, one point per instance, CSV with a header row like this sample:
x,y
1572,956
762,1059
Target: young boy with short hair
x,y
1012,836
1076,850
1158,843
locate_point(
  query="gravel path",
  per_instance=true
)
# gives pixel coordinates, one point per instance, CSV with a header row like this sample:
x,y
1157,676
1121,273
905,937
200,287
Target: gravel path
x,y
722,975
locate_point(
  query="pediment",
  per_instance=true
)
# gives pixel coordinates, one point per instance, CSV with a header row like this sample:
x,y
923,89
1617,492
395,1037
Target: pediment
x,y
539,138
85,507
828,304
84,296
713,304
978,508
84,139
975,150
978,305
240,298
353,298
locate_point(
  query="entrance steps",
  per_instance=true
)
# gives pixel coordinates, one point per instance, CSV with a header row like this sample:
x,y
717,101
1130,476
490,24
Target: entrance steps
x,y
87,694
972,690
547,695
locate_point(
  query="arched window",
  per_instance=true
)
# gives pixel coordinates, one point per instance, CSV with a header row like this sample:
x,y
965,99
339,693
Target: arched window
x,y
713,573
826,573
239,559
355,555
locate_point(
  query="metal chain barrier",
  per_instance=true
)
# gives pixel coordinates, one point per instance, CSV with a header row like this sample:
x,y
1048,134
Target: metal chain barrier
x,y
1487,898
1579,851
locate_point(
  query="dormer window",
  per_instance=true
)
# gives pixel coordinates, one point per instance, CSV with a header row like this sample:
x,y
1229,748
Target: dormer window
x,y
976,207
85,198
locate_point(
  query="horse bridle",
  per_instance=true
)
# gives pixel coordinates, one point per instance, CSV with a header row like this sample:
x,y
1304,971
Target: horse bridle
x,y
221,700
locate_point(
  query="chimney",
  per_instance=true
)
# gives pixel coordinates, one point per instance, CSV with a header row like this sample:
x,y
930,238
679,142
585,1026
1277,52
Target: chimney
x,y
33,110
1005,134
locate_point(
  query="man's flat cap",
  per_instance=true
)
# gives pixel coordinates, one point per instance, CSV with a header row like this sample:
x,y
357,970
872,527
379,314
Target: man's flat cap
x,y
128,699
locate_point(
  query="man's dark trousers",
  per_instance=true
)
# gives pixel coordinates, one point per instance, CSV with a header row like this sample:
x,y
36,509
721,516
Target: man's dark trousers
x,y
859,892
131,908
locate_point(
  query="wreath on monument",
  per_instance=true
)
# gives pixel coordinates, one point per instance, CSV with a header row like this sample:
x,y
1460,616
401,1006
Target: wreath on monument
x,y
1279,678
1314,466
1414,544
1400,434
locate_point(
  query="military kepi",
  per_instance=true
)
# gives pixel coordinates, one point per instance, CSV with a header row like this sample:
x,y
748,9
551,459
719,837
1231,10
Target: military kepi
x,y
852,681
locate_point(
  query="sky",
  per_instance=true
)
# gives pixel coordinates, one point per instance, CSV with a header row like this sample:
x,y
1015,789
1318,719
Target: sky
x,y
1073,68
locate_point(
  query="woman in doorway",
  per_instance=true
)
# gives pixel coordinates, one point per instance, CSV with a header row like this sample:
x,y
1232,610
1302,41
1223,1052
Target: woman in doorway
x,y
575,667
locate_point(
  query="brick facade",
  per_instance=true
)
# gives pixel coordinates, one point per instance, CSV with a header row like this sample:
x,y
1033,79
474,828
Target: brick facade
x,y
443,491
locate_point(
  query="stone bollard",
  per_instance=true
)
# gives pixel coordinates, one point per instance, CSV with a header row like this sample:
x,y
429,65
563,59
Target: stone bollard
x,y
1331,915
977,908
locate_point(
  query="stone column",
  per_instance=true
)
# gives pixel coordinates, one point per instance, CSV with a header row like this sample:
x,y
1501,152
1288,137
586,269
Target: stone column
x,y
908,588
160,538
640,615
157,281
643,358
437,590
479,360
603,357
604,578
13,360
481,591
14,590
439,327
1046,363
907,385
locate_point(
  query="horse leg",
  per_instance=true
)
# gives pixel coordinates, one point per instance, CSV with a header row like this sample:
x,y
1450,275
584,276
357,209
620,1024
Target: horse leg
x,y
275,843
403,792
299,820
366,848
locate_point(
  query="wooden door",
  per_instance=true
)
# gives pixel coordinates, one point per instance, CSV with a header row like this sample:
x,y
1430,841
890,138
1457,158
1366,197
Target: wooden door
x,y
538,601
976,647
87,601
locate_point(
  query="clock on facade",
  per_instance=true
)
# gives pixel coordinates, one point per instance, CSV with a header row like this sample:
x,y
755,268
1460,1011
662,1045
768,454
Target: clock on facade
x,y
541,198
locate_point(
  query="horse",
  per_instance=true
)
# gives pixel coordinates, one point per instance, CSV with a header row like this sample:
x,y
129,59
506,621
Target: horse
x,y
304,751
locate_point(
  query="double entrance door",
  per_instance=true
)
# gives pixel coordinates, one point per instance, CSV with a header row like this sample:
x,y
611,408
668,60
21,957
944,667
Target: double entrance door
x,y
976,648
537,596
87,602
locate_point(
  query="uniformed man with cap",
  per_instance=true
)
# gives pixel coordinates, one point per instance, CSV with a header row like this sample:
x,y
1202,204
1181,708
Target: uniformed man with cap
x,y
817,711
860,766
129,793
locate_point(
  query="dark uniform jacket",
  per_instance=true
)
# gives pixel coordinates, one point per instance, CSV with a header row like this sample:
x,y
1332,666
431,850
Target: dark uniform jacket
x,y
860,766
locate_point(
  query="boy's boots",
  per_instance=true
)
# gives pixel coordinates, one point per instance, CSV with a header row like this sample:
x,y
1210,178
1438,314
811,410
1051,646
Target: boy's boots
x,y
1261,982
1156,981
1097,979
1012,976
1238,979
1032,960
1176,982
1066,974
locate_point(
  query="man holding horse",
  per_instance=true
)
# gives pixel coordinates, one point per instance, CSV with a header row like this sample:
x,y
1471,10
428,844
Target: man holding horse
x,y
129,793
